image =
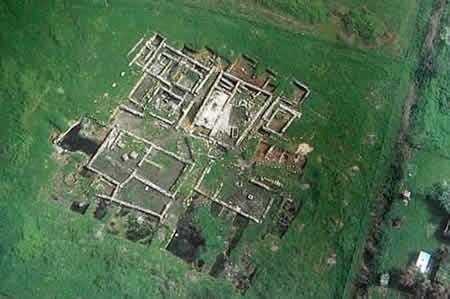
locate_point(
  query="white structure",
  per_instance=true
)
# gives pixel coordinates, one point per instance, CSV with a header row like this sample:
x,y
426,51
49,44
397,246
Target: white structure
x,y
423,262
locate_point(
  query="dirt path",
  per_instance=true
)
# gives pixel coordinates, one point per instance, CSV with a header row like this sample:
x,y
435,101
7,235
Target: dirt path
x,y
434,25
401,155
410,101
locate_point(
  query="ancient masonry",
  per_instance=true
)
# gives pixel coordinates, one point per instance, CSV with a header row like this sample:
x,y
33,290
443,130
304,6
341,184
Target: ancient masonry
x,y
195,96
173,83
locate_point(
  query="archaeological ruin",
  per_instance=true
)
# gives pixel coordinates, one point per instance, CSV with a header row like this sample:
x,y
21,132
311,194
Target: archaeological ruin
x,y
174,150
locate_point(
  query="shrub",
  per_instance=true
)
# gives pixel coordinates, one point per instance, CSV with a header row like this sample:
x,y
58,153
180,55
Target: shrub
x,y
364,23
409,277
441,193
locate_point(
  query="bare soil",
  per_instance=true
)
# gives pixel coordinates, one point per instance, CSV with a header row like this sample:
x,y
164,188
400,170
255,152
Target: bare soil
x,y
245,69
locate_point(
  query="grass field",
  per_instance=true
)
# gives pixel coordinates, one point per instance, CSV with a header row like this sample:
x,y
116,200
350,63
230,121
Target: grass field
x,y
58,61
423,219
327,20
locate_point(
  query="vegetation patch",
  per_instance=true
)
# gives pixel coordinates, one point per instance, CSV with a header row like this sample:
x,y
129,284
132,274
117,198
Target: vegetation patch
x,y
364,23
48,79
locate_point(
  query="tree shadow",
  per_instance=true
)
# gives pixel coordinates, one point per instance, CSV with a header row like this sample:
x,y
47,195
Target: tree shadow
x,y
439,217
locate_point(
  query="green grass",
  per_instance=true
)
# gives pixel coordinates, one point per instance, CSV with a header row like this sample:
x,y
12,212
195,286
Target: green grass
x,y
365,24
421,223
383,293
432,129
429,164
249,148
81,47
320,19
422,219
132,144
215,230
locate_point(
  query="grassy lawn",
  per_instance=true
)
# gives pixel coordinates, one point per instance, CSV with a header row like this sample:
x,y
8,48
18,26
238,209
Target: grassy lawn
x,y
58,61
420,225
381,293
326,20
216,231
422,219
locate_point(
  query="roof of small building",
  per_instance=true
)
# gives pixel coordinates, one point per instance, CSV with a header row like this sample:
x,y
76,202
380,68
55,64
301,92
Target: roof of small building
x,y
423,261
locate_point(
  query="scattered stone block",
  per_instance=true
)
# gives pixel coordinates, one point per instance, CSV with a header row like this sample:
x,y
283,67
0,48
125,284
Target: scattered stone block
x,y
134,155
305,187
355,168
331,261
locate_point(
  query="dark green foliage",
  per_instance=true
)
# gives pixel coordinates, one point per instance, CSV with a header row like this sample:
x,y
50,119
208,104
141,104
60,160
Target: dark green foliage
x,y
138,230
441,193
444,102
364,23
428,67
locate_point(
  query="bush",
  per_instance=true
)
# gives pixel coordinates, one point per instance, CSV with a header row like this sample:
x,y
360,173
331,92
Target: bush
x,y
428,67
409,277
364,23
138,230
441,193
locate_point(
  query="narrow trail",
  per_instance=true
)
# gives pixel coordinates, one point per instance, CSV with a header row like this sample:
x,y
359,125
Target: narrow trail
x,y
401,155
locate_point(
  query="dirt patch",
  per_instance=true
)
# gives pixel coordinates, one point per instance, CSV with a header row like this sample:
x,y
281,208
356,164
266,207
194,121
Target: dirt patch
x,y
245,69
286,215
241,275
350,37
187,241
219,265
273,154
304,149
280,120
382,40
205,56
301,92
74,141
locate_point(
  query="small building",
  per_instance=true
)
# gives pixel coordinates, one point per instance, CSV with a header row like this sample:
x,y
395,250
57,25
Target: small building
x,y
133,155
423,262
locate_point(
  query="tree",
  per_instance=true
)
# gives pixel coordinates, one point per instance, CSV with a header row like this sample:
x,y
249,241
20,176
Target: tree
x,y
423,288
441,193
408,278
139,229
438,291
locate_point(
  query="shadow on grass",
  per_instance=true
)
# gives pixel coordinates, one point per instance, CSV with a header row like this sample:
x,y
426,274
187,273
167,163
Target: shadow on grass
x,y
439,217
